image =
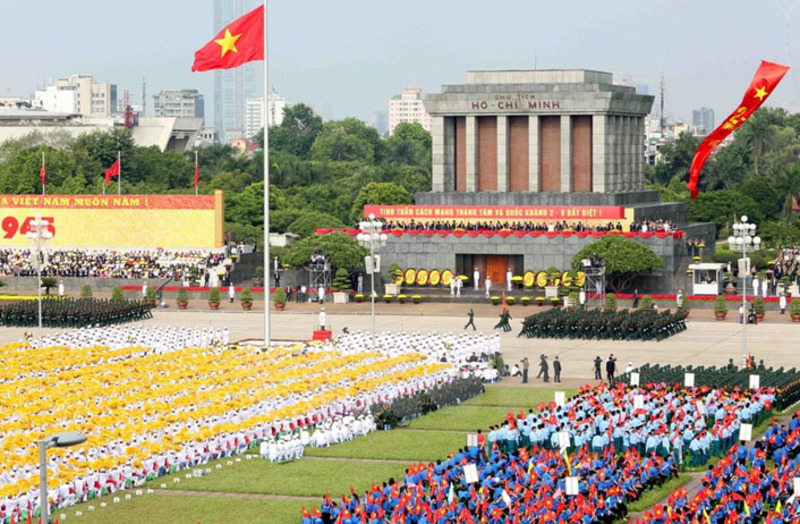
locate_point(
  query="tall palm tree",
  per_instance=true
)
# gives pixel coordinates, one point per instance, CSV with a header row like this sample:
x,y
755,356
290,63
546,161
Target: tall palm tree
x,y
756,135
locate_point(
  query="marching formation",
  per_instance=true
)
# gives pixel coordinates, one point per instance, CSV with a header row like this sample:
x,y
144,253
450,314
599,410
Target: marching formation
x,y
603,325
74,312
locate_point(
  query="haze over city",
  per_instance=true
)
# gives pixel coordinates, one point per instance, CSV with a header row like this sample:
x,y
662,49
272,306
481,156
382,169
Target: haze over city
x,y
352,56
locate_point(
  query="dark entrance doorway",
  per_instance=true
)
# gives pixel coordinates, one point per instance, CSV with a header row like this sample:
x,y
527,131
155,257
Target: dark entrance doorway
x,y
495,265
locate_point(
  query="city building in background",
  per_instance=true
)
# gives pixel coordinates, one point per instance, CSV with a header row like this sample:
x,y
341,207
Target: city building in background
x,y
179,103
703,118
380,121
254,113
408,107
232,87
78,94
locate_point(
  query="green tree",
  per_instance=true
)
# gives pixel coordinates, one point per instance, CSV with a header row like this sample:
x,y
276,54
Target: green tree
x,y
676,159
723,207
305,225
378,193
342,250
347,140
755,135
297,132
409,144
624,260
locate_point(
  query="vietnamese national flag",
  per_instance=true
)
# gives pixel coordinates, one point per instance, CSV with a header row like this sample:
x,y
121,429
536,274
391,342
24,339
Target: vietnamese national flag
x,y
763,84
239,42
112,171
43,172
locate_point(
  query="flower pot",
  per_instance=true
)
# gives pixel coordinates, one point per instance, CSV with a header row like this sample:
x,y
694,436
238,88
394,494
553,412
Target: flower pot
x,y
247,306
795,317
720,316
686,314
183,305
280,305
729,290
151,303
213,306
759,317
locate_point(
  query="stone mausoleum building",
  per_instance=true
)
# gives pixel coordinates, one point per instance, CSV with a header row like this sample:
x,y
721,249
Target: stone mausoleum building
x,y
553,148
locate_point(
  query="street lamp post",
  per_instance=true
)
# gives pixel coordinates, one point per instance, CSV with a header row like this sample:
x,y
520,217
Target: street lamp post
x,y
59,440
744,236
372,236
39,230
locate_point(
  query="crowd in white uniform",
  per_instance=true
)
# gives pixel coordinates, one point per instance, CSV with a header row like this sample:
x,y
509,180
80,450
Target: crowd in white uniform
x,y
471,353
339,420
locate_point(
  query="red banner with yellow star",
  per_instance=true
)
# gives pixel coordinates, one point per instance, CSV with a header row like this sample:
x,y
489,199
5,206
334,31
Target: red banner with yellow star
x,y
764,82
239,42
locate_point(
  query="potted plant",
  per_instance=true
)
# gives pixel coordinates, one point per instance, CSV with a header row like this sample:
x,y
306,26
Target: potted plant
x,y
610,304
495,300
574,300
730,286
555,301
539,301
785,282
794,310
183,298
553,280
511,301
720,308
279,298
86,291
401,298
117,295
150,297
387,298
258,277
246,299
760,308
516,281
395,279
646,303
49,282
359,297
685,307
341,286
213,298
525,301
417,299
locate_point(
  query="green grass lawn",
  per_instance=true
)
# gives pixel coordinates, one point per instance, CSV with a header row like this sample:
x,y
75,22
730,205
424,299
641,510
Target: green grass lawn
x,y
302,478
511,396
168,509
399,444
462,418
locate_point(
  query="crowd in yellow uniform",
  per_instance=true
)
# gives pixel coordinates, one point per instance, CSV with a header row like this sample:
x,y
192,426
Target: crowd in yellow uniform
x,y
149,409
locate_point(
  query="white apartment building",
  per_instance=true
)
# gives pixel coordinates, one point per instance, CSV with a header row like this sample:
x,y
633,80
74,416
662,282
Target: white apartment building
x,y
59,99
179,103
93,99
254,113
408,107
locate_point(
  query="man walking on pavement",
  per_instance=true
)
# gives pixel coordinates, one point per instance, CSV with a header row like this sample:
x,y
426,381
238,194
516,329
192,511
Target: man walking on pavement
x,y
471,322
544,368
598,370
611,367
556,370
525,366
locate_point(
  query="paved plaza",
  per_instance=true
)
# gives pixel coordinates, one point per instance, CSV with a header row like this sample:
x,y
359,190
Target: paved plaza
x,y
705,342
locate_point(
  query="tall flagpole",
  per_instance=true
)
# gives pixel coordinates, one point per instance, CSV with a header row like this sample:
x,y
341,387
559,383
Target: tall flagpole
x,y
119,172
196,182
43,169
265,112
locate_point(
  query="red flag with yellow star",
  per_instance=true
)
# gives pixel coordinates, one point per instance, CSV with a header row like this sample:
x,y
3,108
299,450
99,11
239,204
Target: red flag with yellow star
x,y
239,42
764,82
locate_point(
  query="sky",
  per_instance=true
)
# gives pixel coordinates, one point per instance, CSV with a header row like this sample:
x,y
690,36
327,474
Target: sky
x,y
353,55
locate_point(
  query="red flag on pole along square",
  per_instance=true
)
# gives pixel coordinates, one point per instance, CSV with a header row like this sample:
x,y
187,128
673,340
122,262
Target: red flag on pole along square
x,y
764,82
112,171
239,42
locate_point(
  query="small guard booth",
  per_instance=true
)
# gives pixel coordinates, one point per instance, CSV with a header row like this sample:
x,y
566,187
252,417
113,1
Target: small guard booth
x,y
707,279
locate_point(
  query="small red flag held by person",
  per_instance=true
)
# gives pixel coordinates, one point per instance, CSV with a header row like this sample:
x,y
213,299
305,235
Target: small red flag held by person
x,y
112,171
239,42
764,82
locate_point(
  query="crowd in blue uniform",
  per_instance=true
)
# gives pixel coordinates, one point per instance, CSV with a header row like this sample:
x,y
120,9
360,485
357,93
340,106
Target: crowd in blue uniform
x,y
621,443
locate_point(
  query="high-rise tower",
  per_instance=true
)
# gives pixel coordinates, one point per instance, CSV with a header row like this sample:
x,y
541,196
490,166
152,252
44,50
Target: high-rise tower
x,y
232,87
